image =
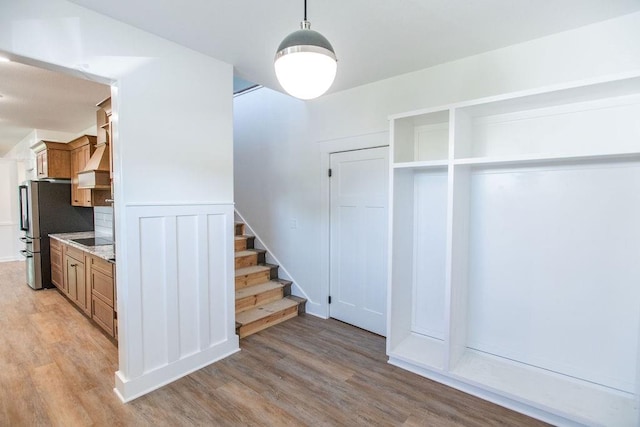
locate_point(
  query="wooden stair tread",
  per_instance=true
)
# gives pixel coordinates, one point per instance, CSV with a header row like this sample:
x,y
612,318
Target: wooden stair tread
x,y
261,298
248,252
266,310
253,269
258,289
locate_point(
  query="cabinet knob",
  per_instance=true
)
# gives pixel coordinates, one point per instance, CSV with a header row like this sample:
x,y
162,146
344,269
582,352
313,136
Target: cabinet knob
x,y
74,265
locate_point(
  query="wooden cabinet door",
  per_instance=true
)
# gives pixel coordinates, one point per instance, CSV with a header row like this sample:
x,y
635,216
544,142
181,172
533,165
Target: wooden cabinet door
x,y
72,273
75,167
75,277
79,159
85,154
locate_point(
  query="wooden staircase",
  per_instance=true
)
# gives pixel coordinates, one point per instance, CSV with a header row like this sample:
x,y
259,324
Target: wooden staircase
x,y
262,299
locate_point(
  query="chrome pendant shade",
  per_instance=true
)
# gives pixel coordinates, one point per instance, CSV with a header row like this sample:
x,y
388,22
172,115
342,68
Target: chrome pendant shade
x,y
305,62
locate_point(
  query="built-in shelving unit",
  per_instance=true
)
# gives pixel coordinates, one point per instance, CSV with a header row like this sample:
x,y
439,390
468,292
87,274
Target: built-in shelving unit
x,y
515,249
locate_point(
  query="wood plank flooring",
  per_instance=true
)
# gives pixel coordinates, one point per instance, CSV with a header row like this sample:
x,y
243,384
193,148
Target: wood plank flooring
x,y
56,368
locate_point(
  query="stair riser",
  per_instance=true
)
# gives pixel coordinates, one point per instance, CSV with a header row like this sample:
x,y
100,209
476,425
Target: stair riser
x,y
274,319
239,229
249,260
252,279
248,303
244,243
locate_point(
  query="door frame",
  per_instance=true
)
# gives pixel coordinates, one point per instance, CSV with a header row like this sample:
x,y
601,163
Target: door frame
x,y
328,147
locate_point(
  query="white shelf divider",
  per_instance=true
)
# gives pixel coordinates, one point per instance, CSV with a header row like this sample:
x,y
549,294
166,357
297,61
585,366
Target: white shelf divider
x,y
422,165
420,350
542,159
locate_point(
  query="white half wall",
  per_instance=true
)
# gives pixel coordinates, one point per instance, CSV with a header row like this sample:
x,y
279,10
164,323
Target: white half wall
x,y
281,144
172,149
180,258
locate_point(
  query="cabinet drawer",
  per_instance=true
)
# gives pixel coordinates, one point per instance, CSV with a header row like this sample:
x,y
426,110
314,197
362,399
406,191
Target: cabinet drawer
x,y
102,314
75,253
102,265
102,286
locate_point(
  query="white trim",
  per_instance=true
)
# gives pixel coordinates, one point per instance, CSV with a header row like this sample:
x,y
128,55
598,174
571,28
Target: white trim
x,y
180,203
130,389
347,143
485,394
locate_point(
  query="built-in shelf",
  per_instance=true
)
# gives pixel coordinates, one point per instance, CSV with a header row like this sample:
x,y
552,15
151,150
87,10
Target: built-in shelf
x,y
423,165
514,237
421,350
582,401
543,159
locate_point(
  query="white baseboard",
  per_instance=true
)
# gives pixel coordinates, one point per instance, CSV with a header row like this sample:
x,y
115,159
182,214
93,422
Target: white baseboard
x,y
128,390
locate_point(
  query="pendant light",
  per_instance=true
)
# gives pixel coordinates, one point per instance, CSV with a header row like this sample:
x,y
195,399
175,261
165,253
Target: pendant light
x,y
305,62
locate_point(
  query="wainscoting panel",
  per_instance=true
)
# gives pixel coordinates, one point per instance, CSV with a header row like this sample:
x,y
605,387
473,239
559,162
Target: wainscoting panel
x,y
176,306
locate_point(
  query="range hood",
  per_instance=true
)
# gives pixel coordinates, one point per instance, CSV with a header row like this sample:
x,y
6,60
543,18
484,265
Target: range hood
x,y
96,174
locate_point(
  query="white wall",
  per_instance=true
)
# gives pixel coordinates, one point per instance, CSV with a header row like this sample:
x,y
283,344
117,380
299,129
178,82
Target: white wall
x,y
173,153
9,246
281,144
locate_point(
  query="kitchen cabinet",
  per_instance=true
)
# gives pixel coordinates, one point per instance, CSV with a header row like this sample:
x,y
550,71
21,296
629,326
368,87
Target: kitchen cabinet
x,y
52,160
99,172
57,276
100,276
81,150
87,281
75,278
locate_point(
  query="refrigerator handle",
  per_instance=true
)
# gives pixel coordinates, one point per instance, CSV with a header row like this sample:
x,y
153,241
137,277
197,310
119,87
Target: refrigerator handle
x,y
26,254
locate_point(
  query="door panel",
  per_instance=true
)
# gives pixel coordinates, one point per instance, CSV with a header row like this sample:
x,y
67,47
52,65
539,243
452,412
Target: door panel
x,y
358,259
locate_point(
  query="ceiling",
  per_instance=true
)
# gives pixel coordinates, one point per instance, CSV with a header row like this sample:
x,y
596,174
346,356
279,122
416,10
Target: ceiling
x,y
373,39
33,98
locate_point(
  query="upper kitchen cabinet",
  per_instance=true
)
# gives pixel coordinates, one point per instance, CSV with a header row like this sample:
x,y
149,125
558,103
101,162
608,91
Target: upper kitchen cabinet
x,y
53,160
82,150
96,175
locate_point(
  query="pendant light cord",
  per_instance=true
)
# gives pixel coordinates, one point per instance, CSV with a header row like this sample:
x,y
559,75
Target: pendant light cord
x,y
305,10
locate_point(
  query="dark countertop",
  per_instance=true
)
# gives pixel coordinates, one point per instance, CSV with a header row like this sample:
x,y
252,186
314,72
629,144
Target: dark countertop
x,y
103,251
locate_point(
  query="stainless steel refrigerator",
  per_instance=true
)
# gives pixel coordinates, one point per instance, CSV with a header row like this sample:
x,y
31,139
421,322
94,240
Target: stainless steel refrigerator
x,y
45,208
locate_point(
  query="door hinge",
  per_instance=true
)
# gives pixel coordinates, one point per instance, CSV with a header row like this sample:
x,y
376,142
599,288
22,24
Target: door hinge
x,y
329,173
329,299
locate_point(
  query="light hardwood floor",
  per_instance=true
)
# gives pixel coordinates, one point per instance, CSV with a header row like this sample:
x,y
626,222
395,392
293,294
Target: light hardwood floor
x,y
56,368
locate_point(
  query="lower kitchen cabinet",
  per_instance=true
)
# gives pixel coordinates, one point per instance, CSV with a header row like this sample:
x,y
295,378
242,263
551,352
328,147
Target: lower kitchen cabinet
x,y
102,314
102,294
75,277
57,276
88,282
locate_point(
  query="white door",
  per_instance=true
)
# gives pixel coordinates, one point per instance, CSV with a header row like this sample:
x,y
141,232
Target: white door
x,y
358,260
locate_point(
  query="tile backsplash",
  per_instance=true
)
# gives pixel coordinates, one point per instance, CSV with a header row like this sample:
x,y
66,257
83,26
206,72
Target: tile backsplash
x,y
103,220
